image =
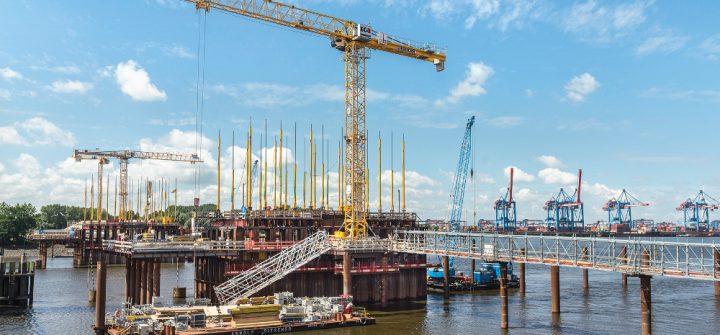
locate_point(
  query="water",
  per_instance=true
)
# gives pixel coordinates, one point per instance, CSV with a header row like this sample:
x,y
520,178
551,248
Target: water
x,y
679,306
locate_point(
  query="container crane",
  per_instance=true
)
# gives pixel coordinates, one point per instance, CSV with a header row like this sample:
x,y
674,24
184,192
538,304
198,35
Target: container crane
x,y
103,156
696,211
566,212
354,40
505,211
620,208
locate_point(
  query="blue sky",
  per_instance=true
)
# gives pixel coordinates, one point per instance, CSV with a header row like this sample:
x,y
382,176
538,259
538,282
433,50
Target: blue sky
x,y
627,91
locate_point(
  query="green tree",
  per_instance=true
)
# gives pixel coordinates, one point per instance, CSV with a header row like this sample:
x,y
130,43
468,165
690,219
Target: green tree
x,y
15,222
53,216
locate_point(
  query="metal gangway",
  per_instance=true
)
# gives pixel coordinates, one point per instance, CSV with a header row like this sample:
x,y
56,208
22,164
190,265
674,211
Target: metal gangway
x,y
630,256
274,268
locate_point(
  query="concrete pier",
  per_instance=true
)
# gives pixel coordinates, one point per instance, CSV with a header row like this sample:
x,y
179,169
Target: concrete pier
x,y
521,276
586,284
645,296
555,289
716,257
623,255
100,300
503,296
446,277
346,274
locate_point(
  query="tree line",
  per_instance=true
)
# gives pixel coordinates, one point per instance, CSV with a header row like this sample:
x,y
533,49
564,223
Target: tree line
x,y
16,221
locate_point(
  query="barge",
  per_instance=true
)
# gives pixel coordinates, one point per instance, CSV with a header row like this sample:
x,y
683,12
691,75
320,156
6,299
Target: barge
x,y
280,313
486,277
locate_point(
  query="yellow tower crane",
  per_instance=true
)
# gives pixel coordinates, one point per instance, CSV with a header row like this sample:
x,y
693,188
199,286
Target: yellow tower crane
x,y
124,156
354,40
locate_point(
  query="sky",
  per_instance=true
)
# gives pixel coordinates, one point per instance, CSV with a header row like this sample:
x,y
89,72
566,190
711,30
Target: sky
x,y
626,90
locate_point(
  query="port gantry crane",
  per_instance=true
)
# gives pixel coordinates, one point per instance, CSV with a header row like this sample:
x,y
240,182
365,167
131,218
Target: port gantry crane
x,y
566,212
620,208
103,157
354,40
696,211
505,211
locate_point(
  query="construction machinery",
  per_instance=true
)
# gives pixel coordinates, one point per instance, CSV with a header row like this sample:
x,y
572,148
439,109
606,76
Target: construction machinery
x,y
103,156
696,211
457,194
620,208
565,212
505,211
355,40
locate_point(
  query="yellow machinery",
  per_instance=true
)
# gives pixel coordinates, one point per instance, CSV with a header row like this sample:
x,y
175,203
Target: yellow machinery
x,y
124,156
353,39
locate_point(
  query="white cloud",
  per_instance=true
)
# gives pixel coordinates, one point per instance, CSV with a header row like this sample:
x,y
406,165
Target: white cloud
x,y
579,87
68,69
518,174
2,168
498,14
529,93
549,161
711,47
664,43
484,178
556,176
475,77
70,86
604,23
36,131
178,51
8,73
135,82
505,121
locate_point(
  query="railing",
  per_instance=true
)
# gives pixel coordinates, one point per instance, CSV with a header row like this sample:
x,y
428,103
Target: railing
x,y
128,247
634,257
51,234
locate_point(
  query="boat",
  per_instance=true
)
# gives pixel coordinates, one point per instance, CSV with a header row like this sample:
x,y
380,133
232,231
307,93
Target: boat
x,y
486,277
280,313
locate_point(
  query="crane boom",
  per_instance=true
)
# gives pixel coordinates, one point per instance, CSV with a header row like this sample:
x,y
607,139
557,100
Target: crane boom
x,y
458,189
124,156
353,39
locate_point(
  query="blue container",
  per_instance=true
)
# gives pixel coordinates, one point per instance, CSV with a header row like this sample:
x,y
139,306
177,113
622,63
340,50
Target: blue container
x,y
437,273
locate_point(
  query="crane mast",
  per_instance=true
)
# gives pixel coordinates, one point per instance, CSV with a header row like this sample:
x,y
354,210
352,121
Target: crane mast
x,y
354,40
124,156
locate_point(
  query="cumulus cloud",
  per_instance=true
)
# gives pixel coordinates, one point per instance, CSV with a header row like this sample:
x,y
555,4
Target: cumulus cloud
x,y
501,15
472,85
518,174
557,176
549,161
579,87
135,82
70,86
8,73
36,131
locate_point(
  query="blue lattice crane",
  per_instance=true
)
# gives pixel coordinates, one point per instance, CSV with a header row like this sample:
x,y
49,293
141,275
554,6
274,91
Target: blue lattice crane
x,y
696,211
620,208
565,212
505,211
457,194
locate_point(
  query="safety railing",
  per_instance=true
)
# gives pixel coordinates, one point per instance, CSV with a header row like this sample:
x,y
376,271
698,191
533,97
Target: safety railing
x,y
634,257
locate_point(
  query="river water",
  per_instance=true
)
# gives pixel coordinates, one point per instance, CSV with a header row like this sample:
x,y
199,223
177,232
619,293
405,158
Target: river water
x,y
680,306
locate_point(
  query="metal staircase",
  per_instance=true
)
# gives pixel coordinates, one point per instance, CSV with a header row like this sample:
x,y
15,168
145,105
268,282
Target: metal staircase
x,y
273,269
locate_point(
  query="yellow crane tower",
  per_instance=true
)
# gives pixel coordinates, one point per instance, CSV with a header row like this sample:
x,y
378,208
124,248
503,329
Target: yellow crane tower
x,y
124,156
354,40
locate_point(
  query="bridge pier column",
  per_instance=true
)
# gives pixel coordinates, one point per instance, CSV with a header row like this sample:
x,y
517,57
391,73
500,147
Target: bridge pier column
x,y
128,279
150,283
623,260
716,257
645,305
43,255
472,272
143,282
522,273
555,289
503,296
100,297
586,284
156,278
446,277
384,279
347,275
